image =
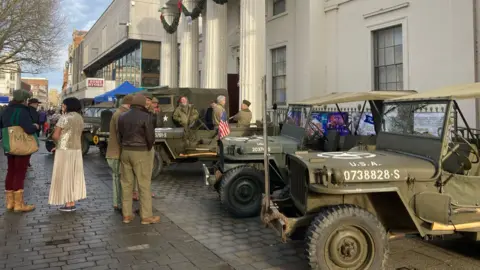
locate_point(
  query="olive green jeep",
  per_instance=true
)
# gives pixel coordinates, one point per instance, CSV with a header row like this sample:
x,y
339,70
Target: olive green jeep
x,y
176,144
238,175
423,177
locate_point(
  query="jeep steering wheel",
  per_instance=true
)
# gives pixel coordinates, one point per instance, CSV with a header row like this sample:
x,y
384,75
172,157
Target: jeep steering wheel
x,y
456,136
317,132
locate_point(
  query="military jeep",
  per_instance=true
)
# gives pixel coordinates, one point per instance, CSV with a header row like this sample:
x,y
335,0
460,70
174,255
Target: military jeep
x,y
423,178
92,123
176,144
238,175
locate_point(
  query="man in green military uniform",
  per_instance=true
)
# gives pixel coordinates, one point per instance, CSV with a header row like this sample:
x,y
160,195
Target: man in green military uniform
x,y
113,152
244,116
218,110
185,115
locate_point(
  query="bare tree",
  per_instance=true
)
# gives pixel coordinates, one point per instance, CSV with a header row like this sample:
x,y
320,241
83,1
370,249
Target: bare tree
x,y
31,33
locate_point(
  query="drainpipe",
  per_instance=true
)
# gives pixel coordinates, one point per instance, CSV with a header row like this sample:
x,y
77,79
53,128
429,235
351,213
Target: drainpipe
x,y
477,68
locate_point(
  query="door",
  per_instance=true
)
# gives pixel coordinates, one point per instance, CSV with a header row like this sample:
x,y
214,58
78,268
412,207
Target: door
x,y
233,93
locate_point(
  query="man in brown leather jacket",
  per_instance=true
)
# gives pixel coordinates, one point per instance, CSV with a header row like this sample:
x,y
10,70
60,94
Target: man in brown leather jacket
x,y
136,135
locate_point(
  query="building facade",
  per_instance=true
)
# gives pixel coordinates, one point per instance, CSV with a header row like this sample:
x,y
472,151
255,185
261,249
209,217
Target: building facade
x,y
53,98
311,47
39,88
123,45
9,81
77,38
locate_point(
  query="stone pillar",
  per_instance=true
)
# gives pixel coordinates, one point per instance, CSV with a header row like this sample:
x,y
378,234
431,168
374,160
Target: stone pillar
x,y
252,54
169,52
215,38
189,49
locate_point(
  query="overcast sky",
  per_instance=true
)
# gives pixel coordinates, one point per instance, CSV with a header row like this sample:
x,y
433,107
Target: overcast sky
x,y
80,15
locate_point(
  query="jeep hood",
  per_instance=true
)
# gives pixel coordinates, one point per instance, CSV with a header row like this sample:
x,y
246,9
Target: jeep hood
x,y
368,166
254,145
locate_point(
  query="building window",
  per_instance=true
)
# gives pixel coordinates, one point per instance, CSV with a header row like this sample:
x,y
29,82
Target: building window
x,y
2,76
279,7
388,58
279,75
12,76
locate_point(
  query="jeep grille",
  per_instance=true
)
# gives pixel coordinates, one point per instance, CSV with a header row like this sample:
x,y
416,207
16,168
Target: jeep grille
x,y
298,182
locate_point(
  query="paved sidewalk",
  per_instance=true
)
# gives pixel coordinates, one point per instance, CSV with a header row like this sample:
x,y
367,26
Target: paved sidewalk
x,y
93,237
195,232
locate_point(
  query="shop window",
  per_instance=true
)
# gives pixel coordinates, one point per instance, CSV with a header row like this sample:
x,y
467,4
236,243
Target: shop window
x,y
279,75
388,58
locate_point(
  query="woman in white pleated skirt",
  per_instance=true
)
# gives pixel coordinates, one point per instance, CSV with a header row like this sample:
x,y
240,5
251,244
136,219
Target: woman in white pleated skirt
x,y
68,178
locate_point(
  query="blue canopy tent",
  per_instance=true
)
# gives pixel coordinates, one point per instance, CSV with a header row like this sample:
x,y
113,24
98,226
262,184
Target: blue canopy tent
x,y
124,89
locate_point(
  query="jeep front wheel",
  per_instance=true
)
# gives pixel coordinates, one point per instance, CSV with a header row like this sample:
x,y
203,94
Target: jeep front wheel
x,y
241,191
157,165
347,237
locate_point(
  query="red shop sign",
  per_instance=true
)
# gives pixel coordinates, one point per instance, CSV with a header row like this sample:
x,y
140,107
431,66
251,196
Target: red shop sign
x,y
95,83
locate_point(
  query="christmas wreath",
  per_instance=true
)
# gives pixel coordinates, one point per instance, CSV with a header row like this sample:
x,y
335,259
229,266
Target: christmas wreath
x,y
195,13
170,28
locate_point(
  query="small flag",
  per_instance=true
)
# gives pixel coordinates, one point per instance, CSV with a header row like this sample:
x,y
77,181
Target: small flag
x,y
179,3
223,128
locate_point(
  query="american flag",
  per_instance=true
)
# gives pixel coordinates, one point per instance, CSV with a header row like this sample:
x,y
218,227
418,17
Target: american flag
x,y
223,128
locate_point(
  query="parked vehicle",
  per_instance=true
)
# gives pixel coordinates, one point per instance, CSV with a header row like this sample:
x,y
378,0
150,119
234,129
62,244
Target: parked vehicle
x,y
423,177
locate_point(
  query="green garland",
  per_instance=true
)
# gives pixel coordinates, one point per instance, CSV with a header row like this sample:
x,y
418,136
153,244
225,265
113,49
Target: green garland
x,y
220,2
170,28
195,13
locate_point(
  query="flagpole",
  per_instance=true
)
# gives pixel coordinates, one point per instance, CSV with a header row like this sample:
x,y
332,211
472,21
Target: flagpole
x,y
265,145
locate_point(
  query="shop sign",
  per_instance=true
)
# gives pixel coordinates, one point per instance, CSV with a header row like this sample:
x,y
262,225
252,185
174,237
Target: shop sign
x,y
95,83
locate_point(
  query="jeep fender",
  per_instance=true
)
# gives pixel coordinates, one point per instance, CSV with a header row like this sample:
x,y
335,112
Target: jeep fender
x,y
386,203
276,177
168,152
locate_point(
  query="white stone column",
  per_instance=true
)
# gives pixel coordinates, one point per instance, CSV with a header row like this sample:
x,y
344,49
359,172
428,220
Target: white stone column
x,y
189,49
215,38
169,52
252,54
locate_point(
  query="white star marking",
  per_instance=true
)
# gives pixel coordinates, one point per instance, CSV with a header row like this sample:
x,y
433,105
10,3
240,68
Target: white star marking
x,y
165,118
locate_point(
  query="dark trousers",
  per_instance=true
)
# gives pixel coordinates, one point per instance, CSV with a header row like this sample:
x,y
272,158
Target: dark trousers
x,y
16,172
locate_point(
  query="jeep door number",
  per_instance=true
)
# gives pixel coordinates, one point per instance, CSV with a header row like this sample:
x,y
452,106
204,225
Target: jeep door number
x,y
259,149
371,175
161,135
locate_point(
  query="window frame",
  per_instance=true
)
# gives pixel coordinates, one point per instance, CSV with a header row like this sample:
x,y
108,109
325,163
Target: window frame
x,y
275,4
274,76
389,51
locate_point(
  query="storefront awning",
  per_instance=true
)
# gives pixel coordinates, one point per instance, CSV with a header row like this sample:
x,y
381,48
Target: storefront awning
x,y
124,89
4,99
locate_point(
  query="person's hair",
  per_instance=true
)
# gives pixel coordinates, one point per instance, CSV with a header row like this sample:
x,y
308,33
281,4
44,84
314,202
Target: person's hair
x,y
220,98
73,105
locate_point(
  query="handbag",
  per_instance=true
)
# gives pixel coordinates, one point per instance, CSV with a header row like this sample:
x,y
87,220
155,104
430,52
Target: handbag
x,y
15,141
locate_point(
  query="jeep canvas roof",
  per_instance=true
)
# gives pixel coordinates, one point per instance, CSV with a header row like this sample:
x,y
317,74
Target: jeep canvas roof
x,y
345,97
460,91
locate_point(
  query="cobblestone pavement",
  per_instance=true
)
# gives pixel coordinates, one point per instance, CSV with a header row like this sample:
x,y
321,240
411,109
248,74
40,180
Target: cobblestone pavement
x,y
195,232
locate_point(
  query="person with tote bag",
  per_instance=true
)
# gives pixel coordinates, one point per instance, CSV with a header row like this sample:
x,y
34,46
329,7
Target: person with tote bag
x,y
19,141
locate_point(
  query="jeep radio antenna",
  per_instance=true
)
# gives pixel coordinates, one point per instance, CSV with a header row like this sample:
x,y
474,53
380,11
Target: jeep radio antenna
x,y
265,145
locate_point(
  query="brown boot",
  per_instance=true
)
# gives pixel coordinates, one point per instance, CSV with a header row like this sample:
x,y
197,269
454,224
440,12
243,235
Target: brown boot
x,y
20,205
150,220
128,219
10,202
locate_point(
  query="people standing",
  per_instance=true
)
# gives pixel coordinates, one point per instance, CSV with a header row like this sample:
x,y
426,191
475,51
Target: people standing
x,y
136,137
219,110
185,114
114,150
42,119
33,105
68,178
209,115
17,165
244,116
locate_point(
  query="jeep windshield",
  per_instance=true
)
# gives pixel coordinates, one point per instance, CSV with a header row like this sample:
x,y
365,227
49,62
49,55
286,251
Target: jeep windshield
x,y
297,115
415,118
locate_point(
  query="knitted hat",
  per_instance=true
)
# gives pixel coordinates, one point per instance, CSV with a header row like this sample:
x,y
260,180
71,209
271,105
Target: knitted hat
x,y
246,102
139,100
127,99
21,95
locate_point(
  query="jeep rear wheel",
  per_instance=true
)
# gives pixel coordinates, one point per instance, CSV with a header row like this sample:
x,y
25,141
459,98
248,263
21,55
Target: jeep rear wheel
x,y
85,145
241,191
157,165
347,237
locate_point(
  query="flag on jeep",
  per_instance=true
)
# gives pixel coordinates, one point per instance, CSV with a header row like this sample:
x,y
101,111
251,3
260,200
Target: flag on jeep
x,y
223,128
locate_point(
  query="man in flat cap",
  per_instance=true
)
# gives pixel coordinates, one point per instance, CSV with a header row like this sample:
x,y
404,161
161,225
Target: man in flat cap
x,y
113,152
244,116
33,106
